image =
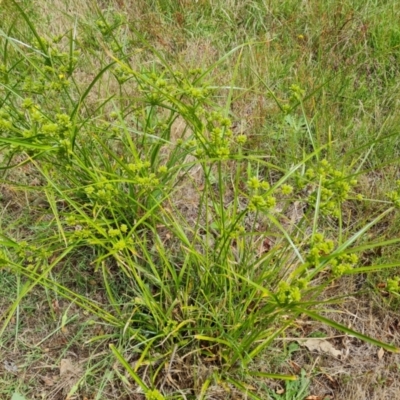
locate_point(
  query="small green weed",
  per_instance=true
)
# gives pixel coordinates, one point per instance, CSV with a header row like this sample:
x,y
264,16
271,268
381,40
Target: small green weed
x,y
294,390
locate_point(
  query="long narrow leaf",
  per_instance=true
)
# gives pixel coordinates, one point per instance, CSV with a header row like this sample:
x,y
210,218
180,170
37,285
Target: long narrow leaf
x,y
372,268
126,365
349,331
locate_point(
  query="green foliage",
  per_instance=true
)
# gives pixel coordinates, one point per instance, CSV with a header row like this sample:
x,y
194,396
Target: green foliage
x,y
173,222
296,390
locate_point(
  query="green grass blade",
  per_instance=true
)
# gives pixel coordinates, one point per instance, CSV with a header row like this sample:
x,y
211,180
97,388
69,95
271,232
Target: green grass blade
x,y
129,369
349,331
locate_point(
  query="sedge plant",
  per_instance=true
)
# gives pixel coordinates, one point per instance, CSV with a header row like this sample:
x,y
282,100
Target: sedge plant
x,y
190,231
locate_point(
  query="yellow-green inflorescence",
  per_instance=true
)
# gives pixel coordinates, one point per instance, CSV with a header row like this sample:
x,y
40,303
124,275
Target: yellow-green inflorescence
x,y
28,255
288,293
260,197
154,394
329,187
212,133
394,195
55,131
320,253
343,264
321,248
102,192
393,285
116,237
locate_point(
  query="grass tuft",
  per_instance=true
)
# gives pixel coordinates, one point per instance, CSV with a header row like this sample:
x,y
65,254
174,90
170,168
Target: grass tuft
x,y
211,207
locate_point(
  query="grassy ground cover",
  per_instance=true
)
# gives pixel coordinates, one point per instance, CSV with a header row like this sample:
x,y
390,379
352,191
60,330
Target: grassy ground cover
x,y
199,199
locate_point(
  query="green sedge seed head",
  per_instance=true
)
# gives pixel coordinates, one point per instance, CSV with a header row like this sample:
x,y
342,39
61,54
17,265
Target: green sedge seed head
x,y
27,103
226,122
286,189
241,139
123,228
154,395
257,202
113,232
223,152
270,202
287,294
254,183
302,283
89,190
318,238
393,285
265,185
70,220
120,245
